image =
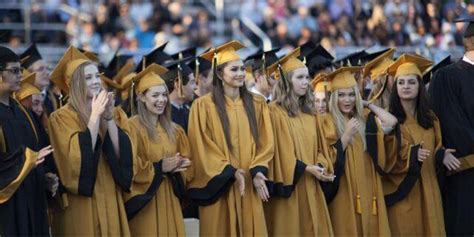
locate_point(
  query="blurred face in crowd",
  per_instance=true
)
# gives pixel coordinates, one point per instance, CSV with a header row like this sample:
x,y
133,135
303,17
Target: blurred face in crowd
x,y
233,73
188,89
37,104
300,81
10,77
407,87
346,99
320,102
265,84
93,82
205,82
42,70
155,99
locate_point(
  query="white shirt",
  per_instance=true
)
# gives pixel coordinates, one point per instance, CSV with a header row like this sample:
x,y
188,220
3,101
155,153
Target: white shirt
x,y
255,91
467,60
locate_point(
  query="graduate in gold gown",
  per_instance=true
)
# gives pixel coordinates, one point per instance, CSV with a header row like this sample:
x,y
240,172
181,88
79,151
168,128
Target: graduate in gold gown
x,y
92,151
297,205
414,199
321,91
376,70
231,141
163,143
356,199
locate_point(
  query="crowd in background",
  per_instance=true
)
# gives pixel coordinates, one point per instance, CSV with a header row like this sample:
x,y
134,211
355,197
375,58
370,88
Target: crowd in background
x,y
144,24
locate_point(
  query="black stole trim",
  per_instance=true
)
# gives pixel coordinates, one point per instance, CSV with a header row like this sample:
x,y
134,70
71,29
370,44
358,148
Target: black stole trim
x,y
89,163
409,181
278,189
371,140
215,188
330,188
121,167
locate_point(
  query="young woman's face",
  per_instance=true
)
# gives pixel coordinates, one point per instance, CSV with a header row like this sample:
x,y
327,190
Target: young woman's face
x,y
407,87
320,102
300,80
155,99
93,82
346,100
233,74
37,104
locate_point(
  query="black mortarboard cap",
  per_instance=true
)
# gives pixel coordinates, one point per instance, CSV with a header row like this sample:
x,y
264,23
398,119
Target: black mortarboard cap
x,y
172,66
157,56
430,72
30,56
7,56
470,27
306,49
189,52
259,57
353,59
371,56
204,65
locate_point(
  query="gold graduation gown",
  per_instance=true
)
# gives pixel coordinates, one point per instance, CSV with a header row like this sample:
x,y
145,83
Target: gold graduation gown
x,y
297,206
358,207
223,212
162,214
93,178
420,212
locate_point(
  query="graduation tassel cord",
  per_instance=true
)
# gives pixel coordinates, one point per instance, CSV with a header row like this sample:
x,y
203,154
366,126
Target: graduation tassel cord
x,y
132,99
196,71
214,69
180,82
358,205
283,78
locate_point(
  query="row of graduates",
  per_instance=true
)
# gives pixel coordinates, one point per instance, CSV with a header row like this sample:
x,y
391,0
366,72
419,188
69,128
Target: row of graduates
x,y
253,168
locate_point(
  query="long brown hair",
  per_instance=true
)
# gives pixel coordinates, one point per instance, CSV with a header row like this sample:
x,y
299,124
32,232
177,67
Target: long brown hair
x,y
219,100
78,94
293,104
28,103
164,120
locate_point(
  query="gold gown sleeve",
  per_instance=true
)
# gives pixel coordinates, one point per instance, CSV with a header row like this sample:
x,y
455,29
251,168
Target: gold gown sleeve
x,y
285,170
14,169
75,158
265,146
213,173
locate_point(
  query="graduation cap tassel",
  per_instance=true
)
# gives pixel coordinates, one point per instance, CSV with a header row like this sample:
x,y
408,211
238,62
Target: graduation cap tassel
x,y
196,70
144,63
214,70
384,86
133,110
286,85
264,71
180,82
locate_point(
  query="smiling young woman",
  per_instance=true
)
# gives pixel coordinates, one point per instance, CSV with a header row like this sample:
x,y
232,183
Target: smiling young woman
x,y
299,163
92,151
357,205
231,141
153,205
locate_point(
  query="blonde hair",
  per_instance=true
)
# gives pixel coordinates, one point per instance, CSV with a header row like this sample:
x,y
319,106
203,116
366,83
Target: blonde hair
x,y
286,98
78,94
339,119
164,119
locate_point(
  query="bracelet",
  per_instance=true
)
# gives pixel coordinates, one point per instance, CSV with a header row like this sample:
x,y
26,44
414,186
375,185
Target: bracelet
x,y
109,118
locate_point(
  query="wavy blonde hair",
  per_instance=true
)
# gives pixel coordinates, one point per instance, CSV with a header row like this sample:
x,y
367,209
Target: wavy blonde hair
x,y
286,98
339,118
78,94
164,119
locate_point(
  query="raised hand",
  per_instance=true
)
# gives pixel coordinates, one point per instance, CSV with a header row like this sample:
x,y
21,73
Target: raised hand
x,y
45,151
240,177
99,103
259,184
450,161
109,108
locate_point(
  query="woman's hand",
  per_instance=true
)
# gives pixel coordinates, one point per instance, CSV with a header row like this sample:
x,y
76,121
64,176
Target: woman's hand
x,y
240,177
450,161
99,104
42,154
320,173
261,187
52,183
109,107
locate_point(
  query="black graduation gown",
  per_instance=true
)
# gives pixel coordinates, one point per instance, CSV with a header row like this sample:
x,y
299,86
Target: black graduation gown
x,y
51,102
180,116
25,212
452,99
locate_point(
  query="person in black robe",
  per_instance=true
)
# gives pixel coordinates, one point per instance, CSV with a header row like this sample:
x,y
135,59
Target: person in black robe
x,y
181,86
452,99
23,208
